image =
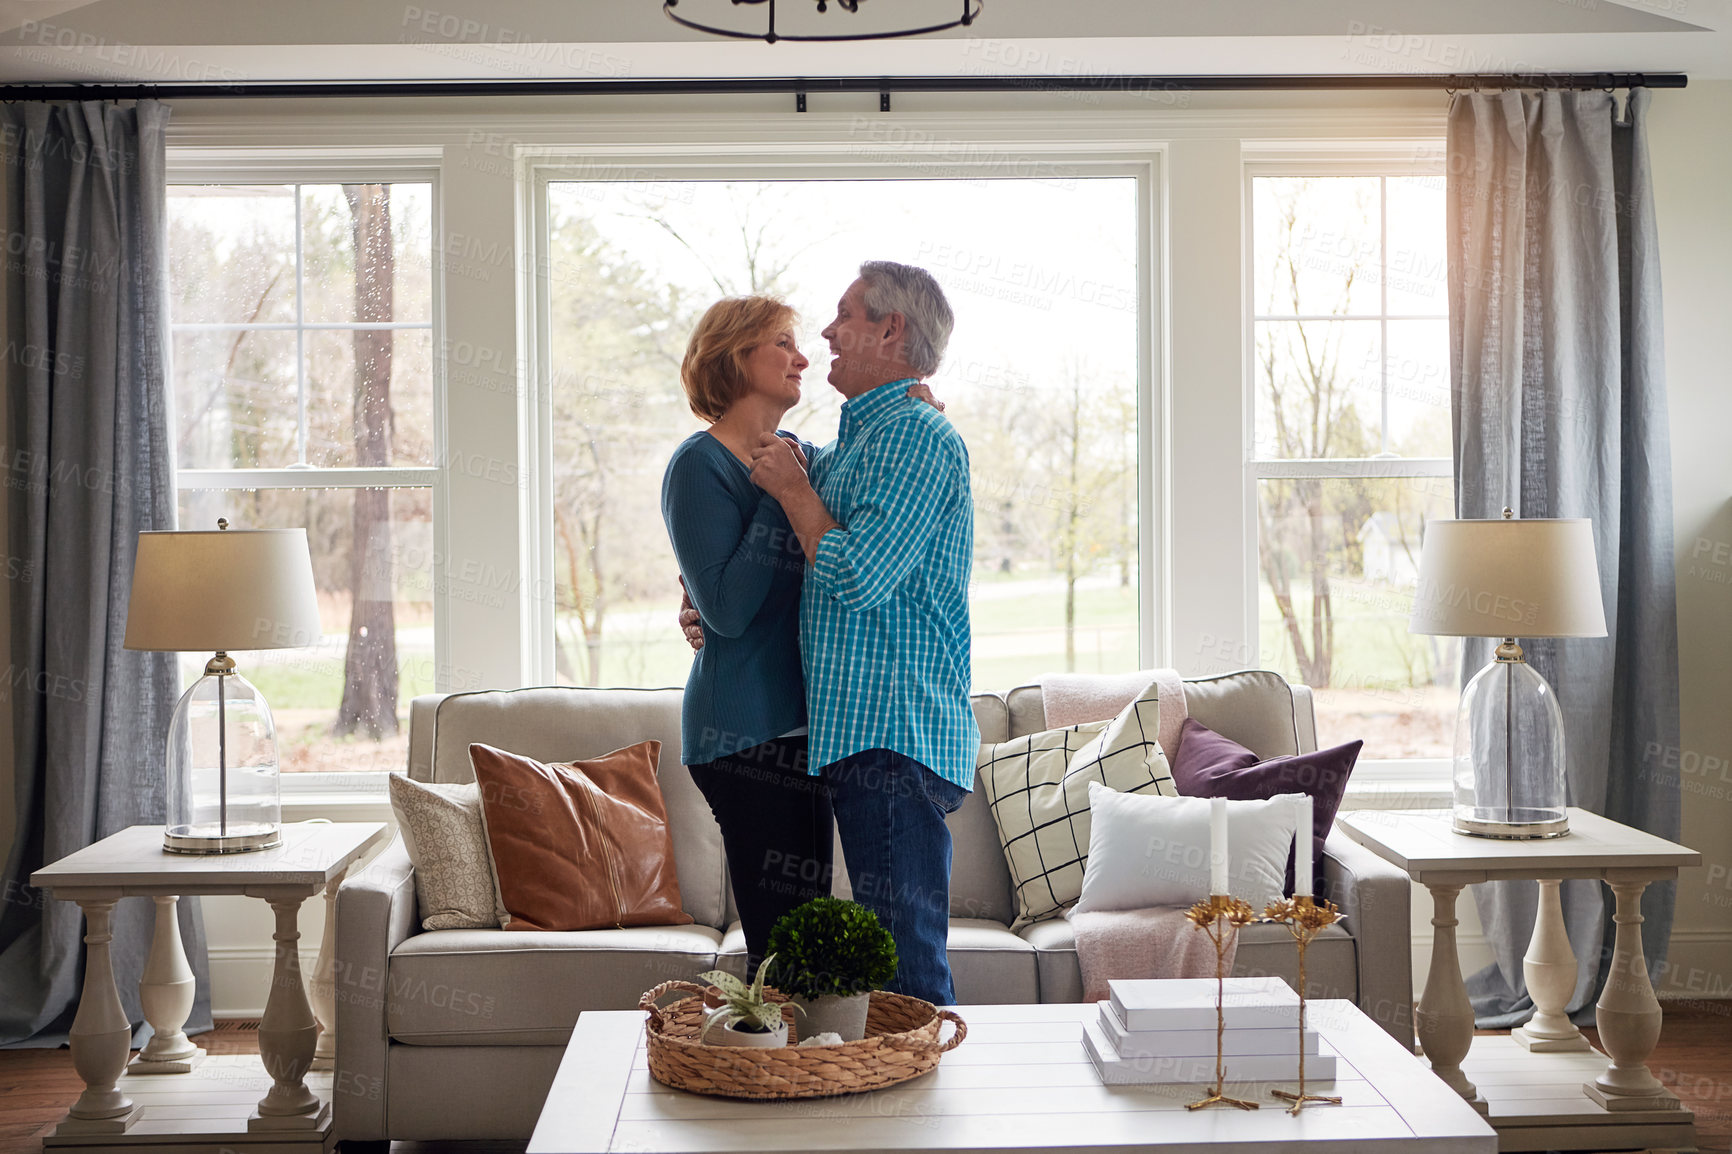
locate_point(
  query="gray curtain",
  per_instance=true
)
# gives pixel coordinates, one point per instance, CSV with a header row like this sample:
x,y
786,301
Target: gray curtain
x,y
1560,411
89,464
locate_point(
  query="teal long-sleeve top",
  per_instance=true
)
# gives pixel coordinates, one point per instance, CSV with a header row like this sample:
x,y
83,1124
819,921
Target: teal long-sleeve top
x,y
743,567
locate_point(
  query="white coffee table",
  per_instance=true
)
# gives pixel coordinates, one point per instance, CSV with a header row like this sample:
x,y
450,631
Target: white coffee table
x,y
1020,1082
312,858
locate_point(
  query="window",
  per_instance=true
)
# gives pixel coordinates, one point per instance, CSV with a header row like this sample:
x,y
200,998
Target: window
x,y
1041,378
1350,447
302,319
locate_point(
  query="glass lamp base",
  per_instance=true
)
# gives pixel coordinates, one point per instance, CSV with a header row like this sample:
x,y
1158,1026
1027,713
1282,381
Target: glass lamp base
x,y
242,837
1511,824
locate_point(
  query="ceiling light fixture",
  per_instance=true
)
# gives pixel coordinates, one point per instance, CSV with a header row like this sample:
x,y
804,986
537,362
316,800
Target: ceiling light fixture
x,y
970,11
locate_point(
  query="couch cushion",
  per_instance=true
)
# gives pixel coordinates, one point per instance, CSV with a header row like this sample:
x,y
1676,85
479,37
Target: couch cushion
x,y
1253,707
991,965
1331,966
559,724
497,988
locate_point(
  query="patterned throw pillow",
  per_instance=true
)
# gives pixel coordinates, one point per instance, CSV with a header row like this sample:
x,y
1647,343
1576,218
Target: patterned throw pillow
x,y
442,830
1038,789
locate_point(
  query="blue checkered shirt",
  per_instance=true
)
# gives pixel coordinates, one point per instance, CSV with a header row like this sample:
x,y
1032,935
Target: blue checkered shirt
x,y
884,610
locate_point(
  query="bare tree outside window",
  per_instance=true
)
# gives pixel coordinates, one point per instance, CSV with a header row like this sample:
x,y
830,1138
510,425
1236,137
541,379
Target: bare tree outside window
x,y
1351,447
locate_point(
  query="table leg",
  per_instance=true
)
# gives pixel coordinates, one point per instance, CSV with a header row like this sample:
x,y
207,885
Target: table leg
x,y
166,993
1444,1016
1628,1013
101,1036
288,1032
1550,970
322,990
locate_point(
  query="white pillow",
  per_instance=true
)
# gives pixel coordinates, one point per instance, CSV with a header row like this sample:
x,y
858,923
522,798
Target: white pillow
x,y
441,826
1038,789
1154,851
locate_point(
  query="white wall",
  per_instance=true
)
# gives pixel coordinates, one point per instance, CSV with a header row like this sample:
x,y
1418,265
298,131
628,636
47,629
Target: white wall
x,y
1691,152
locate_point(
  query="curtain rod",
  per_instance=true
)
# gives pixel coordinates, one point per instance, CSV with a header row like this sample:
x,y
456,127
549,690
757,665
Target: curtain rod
x,y
801,86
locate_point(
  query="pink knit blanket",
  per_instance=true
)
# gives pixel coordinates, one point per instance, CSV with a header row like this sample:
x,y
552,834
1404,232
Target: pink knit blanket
x,y
1074,698
1150,943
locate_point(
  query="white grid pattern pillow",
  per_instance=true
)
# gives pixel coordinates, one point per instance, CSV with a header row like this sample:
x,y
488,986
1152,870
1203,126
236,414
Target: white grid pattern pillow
x,y
1038,788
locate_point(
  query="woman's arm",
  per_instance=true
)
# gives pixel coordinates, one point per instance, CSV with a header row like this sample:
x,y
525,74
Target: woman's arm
x,y
727,563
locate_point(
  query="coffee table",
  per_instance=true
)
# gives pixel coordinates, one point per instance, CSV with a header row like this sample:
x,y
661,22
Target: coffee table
x,y
1021,1081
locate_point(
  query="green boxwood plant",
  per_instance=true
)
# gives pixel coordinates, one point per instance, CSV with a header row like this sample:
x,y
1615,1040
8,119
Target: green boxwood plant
x,y
831,946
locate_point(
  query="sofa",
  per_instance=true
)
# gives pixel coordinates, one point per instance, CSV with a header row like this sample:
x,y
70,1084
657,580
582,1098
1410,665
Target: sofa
x,y
456,1034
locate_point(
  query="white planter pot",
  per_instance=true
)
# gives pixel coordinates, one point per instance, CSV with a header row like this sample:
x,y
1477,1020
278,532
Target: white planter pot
x,y
834,1013
724,1034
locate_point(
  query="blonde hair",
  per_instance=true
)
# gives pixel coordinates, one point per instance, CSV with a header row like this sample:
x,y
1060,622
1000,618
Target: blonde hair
x,y
714,369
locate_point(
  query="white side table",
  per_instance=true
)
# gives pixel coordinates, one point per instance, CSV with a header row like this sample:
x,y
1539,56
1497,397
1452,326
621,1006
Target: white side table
x,y
131,863
1423,844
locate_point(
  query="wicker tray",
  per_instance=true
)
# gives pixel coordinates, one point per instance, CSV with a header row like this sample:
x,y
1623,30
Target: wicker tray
x,y
901,1042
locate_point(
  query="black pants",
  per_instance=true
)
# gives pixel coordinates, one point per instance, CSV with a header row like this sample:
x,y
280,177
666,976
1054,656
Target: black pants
x,y
777,832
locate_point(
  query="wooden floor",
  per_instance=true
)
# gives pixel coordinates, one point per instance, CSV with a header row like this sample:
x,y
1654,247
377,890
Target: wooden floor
x,y
1694,1059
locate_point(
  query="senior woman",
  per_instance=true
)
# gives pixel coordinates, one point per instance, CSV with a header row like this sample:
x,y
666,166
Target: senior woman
x,y
743,732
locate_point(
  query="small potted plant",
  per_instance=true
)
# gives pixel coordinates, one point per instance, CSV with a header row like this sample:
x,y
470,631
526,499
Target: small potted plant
x,y
746,1018
830,955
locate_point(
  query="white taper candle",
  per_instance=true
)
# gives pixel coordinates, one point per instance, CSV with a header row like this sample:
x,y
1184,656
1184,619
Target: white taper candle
x,y
1302,849
1217,845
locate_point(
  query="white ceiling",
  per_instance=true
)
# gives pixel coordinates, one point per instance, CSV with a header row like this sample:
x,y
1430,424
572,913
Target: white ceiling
x,y
238,40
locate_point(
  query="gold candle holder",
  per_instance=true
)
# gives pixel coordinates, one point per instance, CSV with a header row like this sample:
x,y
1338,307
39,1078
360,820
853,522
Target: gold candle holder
x,y
1220,917
1304,917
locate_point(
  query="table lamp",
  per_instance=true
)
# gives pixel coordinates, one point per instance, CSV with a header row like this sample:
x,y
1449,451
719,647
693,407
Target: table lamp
x,y
200,591
1509,578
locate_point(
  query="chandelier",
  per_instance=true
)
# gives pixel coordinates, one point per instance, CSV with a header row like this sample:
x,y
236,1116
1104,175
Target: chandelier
x,y
970,10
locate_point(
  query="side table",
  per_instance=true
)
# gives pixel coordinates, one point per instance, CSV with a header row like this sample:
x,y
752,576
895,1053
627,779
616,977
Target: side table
x,y
312,857
1622,1092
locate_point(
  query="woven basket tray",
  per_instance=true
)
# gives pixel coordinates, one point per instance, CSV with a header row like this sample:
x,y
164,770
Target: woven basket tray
x,y
901,1042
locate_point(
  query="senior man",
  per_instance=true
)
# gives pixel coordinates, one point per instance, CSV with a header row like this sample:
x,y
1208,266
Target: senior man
x,y
887,523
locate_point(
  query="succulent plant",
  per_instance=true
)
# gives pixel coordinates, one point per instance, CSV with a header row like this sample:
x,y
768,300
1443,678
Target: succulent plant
x,y
742,1004
831,946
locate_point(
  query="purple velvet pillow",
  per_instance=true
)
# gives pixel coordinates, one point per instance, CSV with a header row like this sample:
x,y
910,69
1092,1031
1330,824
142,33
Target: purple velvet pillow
x,y
1209,765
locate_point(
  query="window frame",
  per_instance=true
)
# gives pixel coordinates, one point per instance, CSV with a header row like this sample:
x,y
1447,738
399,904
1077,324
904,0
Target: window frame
x,y
481,156
309,794
1379,783
1144,163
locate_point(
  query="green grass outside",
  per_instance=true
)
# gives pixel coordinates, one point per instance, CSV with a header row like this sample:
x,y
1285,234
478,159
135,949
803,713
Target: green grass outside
x,y
1017,638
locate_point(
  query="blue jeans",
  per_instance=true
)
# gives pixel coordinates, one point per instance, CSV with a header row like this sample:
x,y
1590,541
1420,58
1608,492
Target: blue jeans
x,y
890,813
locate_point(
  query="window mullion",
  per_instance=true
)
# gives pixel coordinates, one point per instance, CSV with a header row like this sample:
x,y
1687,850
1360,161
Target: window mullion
x,y
300,335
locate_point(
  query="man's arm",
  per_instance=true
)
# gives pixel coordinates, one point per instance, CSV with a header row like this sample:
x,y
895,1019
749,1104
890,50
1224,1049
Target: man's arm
x,y
778,468
912,470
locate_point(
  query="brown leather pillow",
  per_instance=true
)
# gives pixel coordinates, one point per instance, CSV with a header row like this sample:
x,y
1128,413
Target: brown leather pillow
x,y
582,845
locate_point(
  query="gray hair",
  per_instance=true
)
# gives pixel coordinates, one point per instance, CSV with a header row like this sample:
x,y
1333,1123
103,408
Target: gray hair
x,y
913,292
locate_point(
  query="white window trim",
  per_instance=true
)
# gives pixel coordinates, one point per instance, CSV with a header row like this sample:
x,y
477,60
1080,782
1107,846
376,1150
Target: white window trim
x,y
1377,783
354,795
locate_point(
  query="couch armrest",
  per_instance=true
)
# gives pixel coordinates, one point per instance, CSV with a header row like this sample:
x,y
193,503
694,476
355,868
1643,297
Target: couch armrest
x,y
1374,897
376,912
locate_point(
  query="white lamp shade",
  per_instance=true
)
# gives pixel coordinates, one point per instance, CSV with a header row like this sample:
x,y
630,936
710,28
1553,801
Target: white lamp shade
x,y
1508,578
233,589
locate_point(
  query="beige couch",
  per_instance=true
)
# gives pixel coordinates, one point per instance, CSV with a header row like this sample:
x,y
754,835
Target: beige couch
x,y
457,1033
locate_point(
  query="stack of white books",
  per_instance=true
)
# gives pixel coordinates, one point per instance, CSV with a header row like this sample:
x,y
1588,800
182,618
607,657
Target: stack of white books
x,y
1164,1031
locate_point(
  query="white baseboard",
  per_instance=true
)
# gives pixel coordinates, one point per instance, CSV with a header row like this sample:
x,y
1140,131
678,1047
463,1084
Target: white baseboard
x,y
240,979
